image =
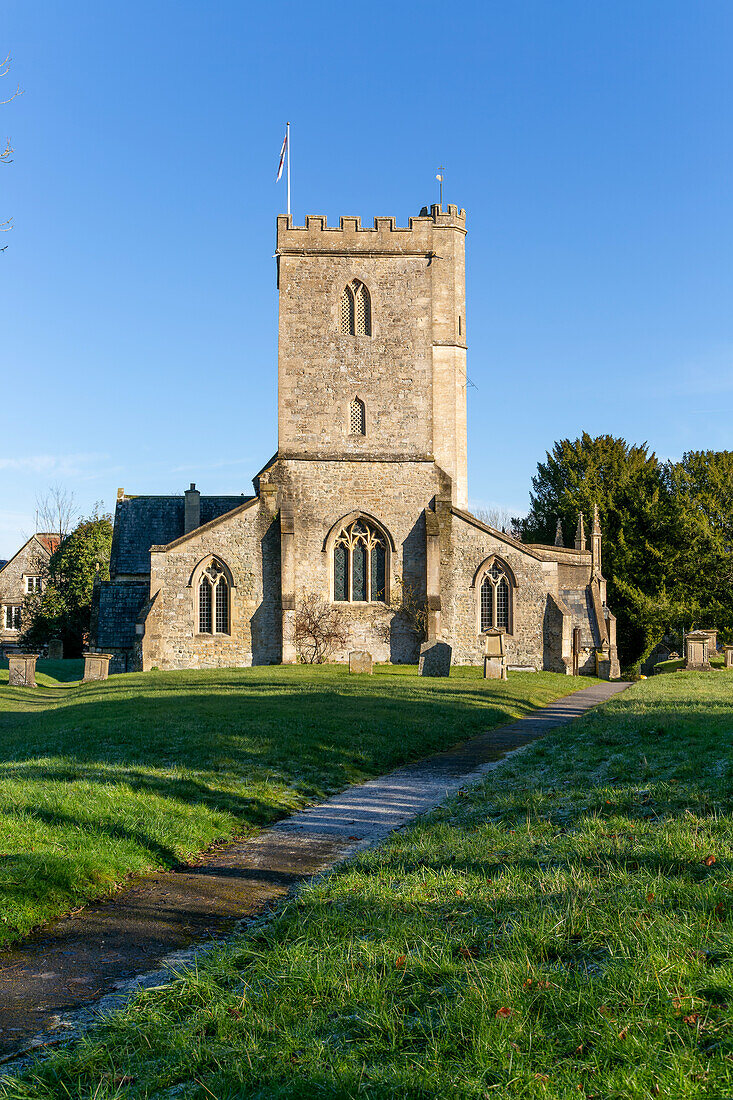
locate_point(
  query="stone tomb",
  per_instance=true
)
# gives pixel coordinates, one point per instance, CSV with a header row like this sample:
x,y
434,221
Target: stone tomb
x,y
96,666
22,669
360,660
435,659
697,645
728,656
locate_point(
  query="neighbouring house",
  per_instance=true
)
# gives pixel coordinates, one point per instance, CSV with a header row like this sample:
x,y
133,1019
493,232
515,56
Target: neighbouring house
x,y
20,577
366,494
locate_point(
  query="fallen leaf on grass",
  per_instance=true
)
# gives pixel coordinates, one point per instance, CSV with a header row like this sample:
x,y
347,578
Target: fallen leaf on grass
x,y
709,861
692,1018
650,897
400,961
503,1012
623,1034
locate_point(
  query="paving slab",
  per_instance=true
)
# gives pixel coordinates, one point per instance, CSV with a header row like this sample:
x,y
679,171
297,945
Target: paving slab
x,y
58,979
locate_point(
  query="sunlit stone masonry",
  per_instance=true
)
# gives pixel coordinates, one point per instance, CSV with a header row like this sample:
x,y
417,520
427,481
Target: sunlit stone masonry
x,y
364,503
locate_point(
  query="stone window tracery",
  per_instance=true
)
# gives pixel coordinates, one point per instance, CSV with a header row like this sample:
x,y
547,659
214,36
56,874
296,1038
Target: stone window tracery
x,y
356,310
213,600
357,417
495,609
360,564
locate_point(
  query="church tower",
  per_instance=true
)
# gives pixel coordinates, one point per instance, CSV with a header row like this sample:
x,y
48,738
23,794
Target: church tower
x,y
372,341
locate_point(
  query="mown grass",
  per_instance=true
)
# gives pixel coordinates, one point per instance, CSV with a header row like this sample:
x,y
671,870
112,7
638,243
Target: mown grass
x,y
99,780
562,930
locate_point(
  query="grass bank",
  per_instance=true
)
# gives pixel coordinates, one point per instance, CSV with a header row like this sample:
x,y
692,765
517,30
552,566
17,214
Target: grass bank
x,y
562,930
99,780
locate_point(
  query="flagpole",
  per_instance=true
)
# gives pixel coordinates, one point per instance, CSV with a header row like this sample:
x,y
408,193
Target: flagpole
x,y
288,167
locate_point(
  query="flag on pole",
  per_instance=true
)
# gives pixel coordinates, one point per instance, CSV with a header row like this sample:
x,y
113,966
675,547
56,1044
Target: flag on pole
x,y
282,158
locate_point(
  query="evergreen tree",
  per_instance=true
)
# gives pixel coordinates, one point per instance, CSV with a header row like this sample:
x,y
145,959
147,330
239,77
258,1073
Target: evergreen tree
x,y
626,482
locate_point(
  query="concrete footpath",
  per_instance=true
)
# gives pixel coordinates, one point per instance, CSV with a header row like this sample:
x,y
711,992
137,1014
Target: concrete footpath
x,y
58,979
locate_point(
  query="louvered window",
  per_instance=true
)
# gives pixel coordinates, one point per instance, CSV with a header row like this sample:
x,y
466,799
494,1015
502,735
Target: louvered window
x,y
360,564
356,310
495,610
357,417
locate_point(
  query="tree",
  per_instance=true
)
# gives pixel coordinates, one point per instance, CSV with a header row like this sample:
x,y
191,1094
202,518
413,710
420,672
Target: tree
x,y
497,517
63,608
700,487
627,483
6,155
319,629
56,511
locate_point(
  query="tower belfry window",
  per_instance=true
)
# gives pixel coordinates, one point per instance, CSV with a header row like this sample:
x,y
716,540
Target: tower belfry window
x,y
356,310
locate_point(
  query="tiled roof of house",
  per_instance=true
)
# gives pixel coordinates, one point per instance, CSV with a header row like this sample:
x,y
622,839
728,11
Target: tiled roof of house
x,y
142,522
119,607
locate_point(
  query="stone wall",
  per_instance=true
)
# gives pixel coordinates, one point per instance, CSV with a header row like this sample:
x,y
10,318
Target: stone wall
x,y
248,543
464,546
410,372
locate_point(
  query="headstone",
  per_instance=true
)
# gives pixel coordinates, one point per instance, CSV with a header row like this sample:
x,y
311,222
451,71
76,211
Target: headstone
x,y
728,656
435,658
712,641
696,650
96,666
22,669
360,661
55,650
494,668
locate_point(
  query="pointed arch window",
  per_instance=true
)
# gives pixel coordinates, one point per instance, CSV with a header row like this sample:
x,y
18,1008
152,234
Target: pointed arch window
x,y
360,564
495,611
357,417
213,600
356,310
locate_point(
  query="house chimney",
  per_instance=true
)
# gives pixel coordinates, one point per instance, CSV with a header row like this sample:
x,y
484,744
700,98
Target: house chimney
x,y
192,509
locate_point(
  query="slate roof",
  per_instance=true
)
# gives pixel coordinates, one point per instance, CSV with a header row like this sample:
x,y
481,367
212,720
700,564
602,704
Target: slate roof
x,y
142,522
119,607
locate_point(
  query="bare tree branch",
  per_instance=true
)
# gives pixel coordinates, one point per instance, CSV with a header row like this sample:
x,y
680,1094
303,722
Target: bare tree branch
x,y
319,630
57,511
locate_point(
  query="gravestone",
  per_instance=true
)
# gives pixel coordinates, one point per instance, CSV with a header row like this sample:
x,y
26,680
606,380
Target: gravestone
x,y
494,668
696,651
435,658
728,656
22,670
55,650
96,666
360,661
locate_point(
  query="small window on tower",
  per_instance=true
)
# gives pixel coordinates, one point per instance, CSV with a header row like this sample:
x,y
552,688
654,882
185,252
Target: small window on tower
x,y
357,417
356,310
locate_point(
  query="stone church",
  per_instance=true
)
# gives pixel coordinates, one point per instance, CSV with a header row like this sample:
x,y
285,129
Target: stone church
x,y
365,498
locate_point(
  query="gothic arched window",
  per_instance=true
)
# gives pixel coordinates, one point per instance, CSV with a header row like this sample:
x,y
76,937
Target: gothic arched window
x,y
213,600
360,564
357,417
496,599
356,310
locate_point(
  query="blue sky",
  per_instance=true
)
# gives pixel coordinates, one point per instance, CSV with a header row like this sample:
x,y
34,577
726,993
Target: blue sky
x,y
590,144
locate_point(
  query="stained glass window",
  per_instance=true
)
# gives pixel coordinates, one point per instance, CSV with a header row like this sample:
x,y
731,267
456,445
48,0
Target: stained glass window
x,y
359,573
360,564
378,571
340,565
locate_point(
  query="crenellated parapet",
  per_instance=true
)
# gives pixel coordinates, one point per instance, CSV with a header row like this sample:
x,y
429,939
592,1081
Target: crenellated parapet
x,y
317,237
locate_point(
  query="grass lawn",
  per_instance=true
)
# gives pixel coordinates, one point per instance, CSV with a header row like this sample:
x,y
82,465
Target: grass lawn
x,y
145,770
562,930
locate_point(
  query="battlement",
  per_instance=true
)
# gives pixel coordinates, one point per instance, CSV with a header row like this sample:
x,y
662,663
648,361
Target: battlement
x,y
384,236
